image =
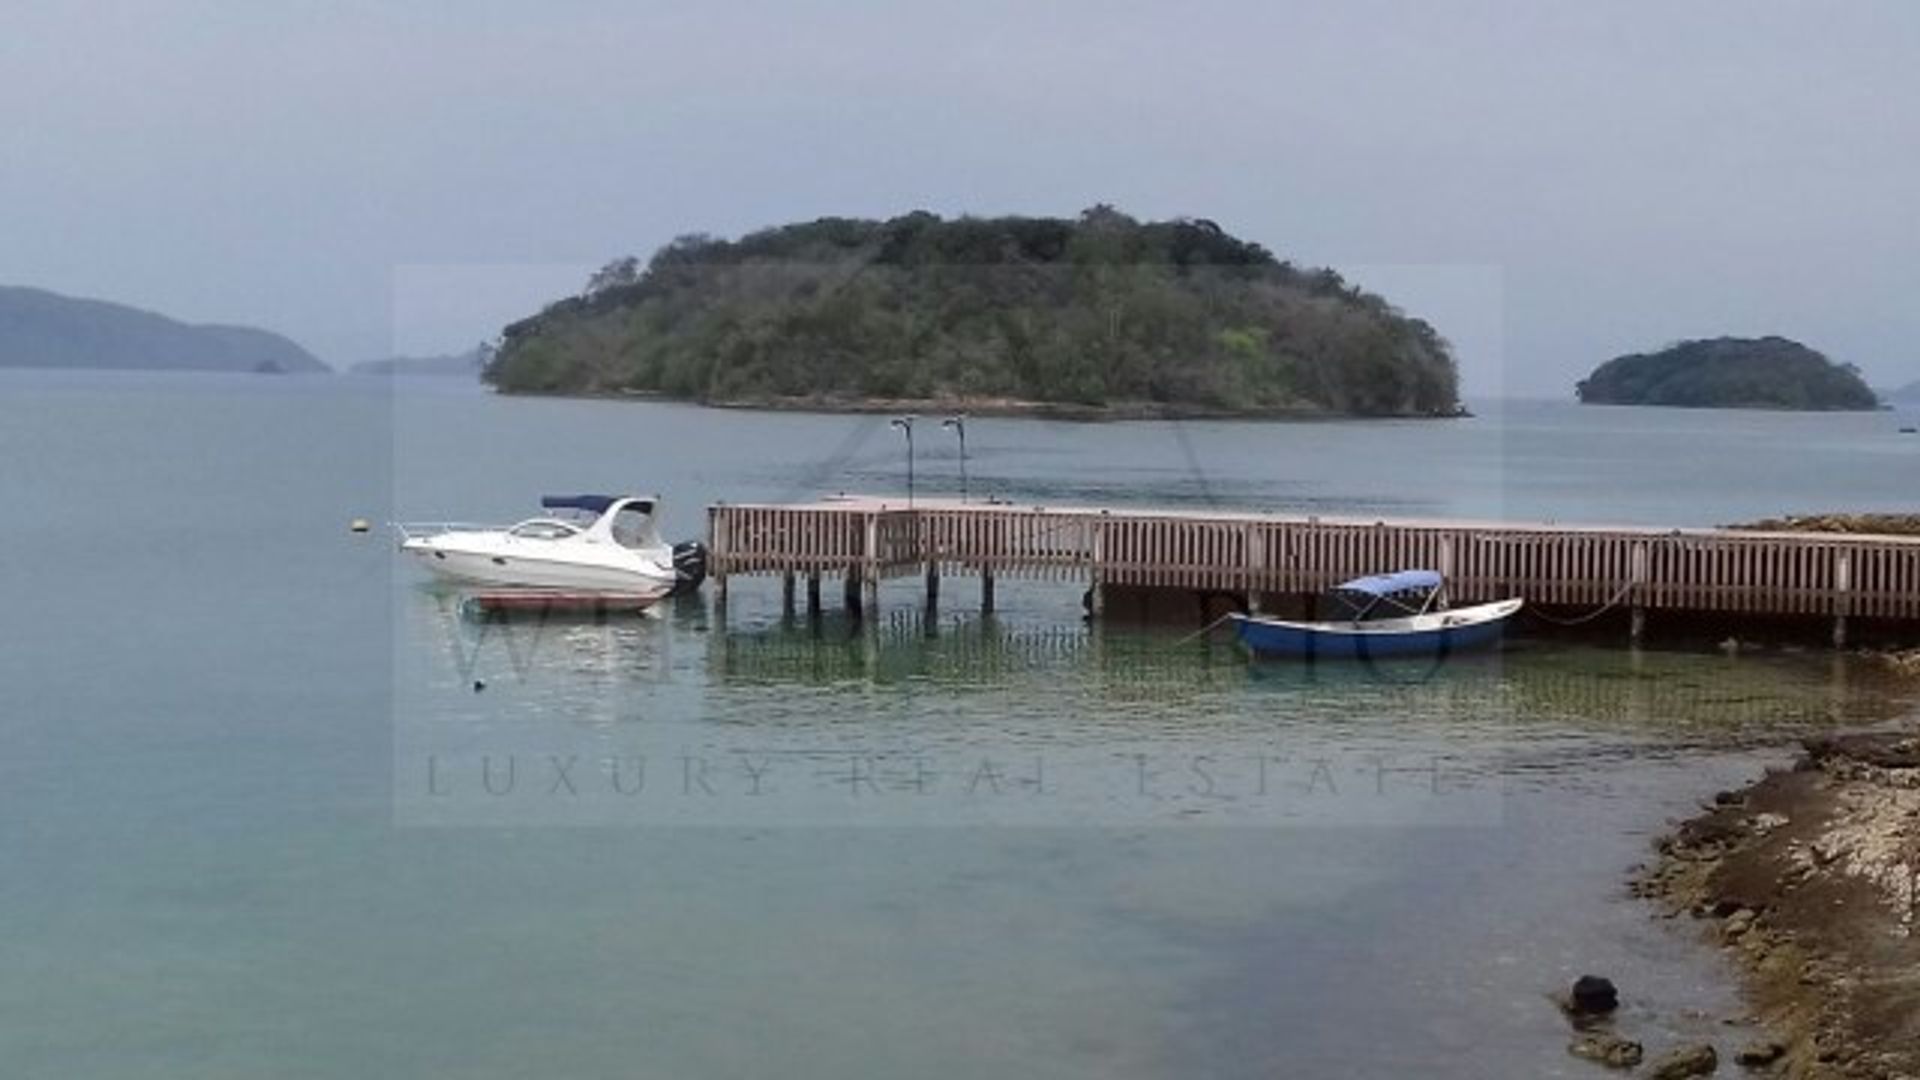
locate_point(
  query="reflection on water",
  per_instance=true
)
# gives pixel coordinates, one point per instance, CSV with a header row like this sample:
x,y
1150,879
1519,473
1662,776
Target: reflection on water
x,y
1538,685
1092,725
1544,685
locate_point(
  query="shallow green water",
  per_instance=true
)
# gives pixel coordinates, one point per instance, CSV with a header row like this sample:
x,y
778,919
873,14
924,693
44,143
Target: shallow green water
x,y
255,819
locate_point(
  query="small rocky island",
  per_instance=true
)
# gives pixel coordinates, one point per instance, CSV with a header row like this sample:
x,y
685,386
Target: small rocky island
x,y
1729,373
1096,316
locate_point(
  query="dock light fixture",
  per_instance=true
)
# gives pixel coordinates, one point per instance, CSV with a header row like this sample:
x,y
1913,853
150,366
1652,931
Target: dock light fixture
x,y
958,423
905,424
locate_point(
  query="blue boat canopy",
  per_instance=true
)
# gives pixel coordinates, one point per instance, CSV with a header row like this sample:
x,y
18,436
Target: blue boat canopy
x,y
593,504
1387,584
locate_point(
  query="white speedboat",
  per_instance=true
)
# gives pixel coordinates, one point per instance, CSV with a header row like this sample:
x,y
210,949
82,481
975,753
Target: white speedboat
x,y
584,543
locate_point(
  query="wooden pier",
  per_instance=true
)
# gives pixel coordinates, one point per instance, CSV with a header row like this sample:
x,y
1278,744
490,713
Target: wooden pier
x,y
1264,562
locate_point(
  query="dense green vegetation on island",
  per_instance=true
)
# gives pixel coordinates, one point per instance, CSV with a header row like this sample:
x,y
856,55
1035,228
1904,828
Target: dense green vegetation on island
x,y
44,329
1100,312
1765,373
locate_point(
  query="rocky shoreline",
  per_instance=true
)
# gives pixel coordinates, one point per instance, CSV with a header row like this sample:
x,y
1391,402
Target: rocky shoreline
x,y
1871,524
1807,879
998,407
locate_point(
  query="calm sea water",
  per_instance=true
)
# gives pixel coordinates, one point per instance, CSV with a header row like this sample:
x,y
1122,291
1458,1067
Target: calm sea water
x,y
256,819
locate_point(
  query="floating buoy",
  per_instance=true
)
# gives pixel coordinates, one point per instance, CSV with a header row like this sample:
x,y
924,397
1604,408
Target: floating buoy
x,y
359,525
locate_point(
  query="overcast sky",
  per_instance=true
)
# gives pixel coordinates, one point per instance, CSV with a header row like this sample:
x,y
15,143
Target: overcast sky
x,y
1551,184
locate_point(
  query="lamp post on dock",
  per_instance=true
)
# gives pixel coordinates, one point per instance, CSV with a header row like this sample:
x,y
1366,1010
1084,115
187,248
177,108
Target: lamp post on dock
x,y
958,422
905,424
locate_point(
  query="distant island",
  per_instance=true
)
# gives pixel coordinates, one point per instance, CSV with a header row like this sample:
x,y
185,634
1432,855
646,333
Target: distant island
x,y
466,364
1099,315
45,329
1904,395
1730,373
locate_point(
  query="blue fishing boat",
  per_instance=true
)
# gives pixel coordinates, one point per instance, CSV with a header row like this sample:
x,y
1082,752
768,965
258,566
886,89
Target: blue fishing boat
x,y
1385,615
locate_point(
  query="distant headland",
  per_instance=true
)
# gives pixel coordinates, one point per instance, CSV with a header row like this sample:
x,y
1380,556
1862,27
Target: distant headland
x,y
1730,373
466,365
1097,315
45,329
1902,395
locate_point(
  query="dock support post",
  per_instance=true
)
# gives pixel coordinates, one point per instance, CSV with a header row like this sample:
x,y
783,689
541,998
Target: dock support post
x,y
1256,548
1842,585
863,580
786,595
986,592
717,547
1637,625
933,585
813,594
851,592
1097,553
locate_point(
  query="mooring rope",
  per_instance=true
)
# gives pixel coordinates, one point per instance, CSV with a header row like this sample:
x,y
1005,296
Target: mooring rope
x,y
1205,630
1589,616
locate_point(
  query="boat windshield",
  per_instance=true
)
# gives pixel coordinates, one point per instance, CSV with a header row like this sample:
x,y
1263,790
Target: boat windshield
x,y
633,526
543,529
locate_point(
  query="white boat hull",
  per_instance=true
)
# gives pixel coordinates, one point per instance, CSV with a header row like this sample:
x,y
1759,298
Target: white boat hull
x,y
528,571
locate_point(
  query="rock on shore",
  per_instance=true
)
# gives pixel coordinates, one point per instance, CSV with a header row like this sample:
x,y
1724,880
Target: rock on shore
x,y
1808,879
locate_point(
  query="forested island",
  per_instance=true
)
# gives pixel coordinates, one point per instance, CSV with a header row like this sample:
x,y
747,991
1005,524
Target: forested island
x,y
1100,315
44,329
1728,372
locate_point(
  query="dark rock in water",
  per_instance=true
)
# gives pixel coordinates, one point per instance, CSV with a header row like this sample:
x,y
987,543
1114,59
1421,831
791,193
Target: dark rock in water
x,y
1684,1062
1760,1052
1613,1051
1593,995
1729,798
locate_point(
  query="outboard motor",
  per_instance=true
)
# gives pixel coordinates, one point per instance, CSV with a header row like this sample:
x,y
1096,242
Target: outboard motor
x,y
689,566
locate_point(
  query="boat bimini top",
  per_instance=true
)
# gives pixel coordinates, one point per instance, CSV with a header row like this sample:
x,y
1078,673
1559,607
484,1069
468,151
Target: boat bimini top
x,y
1386,596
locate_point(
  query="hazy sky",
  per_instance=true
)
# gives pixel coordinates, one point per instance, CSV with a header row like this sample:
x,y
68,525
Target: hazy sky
x,y
1549,183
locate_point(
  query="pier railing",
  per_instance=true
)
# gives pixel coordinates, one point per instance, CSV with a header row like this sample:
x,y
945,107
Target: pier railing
x,y
1705,570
